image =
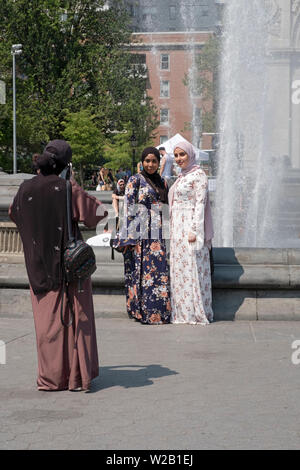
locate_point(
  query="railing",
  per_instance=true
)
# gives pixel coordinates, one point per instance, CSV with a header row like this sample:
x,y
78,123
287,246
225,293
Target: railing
x,y
10,240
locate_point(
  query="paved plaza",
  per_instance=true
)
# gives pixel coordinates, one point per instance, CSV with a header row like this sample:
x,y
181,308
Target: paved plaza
x,y
231,385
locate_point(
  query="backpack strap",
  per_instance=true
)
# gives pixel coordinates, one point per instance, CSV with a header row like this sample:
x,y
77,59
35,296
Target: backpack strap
x,y
71,238
65,290
69,210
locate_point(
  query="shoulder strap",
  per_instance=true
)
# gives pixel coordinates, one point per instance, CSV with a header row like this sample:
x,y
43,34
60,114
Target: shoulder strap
x,y
69,210
138,177
72,315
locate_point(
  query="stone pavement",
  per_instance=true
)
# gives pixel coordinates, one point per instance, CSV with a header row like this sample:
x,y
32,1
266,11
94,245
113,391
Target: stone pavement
x,y
230,385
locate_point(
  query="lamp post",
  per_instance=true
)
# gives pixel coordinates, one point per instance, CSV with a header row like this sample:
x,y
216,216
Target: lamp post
x,y
133,142
16,49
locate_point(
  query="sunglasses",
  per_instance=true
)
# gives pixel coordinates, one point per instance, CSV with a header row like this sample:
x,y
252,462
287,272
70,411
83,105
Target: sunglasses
x,y
180,154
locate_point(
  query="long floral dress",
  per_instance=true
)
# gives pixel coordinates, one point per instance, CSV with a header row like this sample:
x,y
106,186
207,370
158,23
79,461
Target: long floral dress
x,y
189,262
145,262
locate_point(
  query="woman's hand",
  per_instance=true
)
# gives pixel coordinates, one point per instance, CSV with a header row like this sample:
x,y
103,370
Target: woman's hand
x,y
191,237
128,248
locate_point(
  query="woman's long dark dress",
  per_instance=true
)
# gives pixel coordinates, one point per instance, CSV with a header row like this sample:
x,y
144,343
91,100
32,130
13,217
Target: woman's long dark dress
x,y
67,357
145,261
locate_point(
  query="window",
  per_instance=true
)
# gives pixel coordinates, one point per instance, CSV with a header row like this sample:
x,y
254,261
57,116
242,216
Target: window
x,y
164,116
163,139
138,64
132,10
164,89
149,13
164,62
138,59
172,11
64,16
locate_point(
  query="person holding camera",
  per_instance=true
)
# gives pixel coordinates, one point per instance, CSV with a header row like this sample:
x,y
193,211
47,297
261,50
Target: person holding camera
x,y
67,353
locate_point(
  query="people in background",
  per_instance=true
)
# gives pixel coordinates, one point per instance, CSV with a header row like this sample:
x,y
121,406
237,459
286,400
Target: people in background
x,y
94,179
104,182
120,174
118,196
34,166
128,174
139,167
110,178
167,163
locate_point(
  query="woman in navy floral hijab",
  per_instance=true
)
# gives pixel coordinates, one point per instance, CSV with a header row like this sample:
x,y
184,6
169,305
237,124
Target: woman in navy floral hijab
x,y
144,249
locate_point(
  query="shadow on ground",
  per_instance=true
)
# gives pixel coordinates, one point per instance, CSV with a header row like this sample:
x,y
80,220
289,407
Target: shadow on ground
x,y
227,297
129,376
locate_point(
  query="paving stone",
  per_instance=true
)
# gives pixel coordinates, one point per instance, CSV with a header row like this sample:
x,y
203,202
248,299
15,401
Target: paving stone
x,y
230,385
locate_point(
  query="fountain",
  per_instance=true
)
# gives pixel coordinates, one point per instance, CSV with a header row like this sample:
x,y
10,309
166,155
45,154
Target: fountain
x,y
257,192
253,191
194,99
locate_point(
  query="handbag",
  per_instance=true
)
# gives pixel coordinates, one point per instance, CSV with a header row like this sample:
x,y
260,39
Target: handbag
x,y
79,261
114,240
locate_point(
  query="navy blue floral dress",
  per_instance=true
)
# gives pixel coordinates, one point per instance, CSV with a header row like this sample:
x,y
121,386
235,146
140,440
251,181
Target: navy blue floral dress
x,y
145,261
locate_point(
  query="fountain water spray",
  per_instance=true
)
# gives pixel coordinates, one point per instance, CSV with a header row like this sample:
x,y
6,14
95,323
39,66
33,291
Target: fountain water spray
x,y
186,14
249,175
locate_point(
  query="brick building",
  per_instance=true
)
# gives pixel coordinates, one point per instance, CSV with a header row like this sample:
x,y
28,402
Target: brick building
x,y
167,36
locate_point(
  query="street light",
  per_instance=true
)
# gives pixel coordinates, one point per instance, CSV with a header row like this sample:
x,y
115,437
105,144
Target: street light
x,y
16,49
133,142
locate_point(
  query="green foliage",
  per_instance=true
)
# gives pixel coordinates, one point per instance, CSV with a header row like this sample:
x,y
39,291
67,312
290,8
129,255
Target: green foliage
x,y
73,59
206,83
84,137
208,65
118,152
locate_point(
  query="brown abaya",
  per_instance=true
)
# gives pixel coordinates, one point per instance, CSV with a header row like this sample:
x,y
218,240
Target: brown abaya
x,y
67,357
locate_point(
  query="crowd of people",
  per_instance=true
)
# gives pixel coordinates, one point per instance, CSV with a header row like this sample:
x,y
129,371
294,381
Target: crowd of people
x,y
158,290
106,180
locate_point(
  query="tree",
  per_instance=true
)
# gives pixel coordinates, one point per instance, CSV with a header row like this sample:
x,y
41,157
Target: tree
x,y
118,151
206,83
85,139
73,58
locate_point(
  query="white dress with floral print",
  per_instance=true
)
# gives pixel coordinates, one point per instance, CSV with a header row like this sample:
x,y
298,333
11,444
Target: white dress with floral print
x,y
189,262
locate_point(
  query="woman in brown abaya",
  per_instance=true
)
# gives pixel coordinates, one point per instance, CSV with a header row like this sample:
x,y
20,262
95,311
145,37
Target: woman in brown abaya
x,y
67,356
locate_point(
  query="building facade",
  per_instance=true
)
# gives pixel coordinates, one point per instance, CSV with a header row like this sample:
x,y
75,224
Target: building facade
x,y
167,37
168,61
285,79
172,15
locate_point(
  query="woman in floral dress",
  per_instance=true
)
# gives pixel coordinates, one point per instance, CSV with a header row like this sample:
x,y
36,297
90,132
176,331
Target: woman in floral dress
x,y
190,240
140,240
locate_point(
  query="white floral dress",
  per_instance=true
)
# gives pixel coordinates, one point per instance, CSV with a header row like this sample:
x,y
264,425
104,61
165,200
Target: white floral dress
x,y
189,262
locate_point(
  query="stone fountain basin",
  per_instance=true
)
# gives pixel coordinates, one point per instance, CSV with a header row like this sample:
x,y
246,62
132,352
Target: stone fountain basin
x,y
248,284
